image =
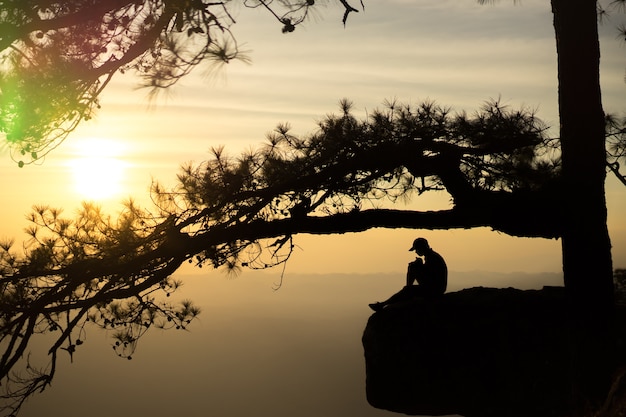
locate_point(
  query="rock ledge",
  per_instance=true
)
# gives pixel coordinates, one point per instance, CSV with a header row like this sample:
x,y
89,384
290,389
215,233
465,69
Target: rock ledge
x,y
477,352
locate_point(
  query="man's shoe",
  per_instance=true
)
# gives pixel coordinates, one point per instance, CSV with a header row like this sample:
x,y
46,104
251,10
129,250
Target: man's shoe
x,y
377,306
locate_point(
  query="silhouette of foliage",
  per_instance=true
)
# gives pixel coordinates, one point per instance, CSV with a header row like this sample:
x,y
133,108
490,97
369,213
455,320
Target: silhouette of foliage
x,y
350,165
58,288
230,213
616,145
497,164
57,57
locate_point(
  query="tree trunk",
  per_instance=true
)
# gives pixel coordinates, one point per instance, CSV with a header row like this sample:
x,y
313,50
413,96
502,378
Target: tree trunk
x,y
587,265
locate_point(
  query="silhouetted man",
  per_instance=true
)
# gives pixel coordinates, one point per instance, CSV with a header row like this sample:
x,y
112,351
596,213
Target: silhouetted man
x,y
430,275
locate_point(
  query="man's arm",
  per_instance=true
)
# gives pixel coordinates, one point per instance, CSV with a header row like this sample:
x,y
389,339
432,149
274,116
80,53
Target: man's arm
x,y
413,271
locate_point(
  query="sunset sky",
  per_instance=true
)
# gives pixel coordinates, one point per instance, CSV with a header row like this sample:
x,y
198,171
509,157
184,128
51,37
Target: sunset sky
x,y
455,52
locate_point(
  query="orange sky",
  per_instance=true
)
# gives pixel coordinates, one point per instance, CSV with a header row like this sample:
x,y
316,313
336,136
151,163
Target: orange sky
x,y
473,54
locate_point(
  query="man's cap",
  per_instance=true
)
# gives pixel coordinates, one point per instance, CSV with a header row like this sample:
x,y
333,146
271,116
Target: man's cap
x,y
419,242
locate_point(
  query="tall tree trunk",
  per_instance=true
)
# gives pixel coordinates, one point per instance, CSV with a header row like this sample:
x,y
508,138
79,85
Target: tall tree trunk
x,y
587,265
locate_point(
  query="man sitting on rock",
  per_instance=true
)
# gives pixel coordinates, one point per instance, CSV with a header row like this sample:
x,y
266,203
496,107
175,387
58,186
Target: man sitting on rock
x,y
430,275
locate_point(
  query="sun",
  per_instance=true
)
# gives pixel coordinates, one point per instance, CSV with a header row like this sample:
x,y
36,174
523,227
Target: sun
x,y
98,168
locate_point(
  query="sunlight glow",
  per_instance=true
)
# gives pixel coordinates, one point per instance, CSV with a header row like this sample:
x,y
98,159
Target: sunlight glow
x,y
98,168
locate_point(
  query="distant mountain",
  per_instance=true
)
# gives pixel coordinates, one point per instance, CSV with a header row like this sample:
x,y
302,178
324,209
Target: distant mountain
x,y
522,280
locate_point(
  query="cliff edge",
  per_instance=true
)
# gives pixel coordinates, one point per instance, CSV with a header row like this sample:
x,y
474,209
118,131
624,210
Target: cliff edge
x,y
481,352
